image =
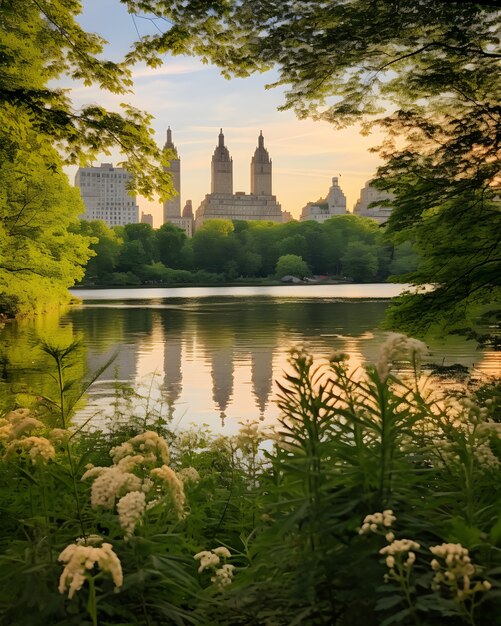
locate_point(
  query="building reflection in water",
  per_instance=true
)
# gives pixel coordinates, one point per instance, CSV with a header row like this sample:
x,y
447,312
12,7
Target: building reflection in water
x,y
219,358
262,377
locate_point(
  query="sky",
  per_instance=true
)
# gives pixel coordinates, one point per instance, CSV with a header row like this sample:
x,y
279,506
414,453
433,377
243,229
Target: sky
x,y
196,101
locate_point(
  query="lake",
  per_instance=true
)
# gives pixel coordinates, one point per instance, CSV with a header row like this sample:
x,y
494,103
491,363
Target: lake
x,y
212,355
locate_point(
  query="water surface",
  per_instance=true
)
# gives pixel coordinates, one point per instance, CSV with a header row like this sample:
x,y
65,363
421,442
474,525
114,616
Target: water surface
x,y
212,355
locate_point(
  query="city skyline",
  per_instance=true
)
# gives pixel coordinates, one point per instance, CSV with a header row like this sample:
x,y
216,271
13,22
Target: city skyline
x,y
196,101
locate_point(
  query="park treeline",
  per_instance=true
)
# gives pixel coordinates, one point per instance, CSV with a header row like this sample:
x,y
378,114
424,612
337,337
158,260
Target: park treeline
x,y
345,246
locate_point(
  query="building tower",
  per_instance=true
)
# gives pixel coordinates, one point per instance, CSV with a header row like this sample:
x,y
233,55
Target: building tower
x,y
221,168
336,198
172,207
260,170
188,210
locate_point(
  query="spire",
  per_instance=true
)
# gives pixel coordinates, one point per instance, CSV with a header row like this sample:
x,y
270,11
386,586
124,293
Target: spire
x,y
221,168
221,153
168,144
261,169
261,154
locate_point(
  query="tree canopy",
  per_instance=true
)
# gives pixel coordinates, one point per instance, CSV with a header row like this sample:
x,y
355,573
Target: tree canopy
x,y
347,246
41,41
426,71
40,255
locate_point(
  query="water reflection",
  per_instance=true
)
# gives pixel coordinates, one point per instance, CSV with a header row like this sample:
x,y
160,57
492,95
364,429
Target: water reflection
x,y
215,359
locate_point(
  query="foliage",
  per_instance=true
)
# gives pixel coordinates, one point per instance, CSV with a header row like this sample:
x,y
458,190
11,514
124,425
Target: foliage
x,y
169,242
40,255
227,250
360,262
366,478
106,247
293,265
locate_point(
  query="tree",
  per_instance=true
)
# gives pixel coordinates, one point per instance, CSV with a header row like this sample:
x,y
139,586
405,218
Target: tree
x,y
343,230
144,235
213,246
40,42
169,242
291,265
106,247
39,256
427,66
360,262
295,244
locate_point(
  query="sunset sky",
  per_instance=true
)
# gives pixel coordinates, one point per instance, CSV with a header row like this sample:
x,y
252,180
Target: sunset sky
x,y
195,101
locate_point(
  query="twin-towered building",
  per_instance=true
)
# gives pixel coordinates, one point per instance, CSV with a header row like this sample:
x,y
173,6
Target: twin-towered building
x,y
222,202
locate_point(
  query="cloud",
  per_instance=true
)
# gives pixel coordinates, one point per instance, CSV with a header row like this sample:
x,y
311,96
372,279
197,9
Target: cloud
x,y
169,69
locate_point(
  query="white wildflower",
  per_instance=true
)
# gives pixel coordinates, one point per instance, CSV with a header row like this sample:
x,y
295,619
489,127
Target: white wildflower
x,y
397,347
207,559
59,436
223,576
222,551
130,509
174,485
110,484
38,448
399,546
456,571
377,522
147,485
18,423
189,475
150,442
89,540
81,559
129,463
119,452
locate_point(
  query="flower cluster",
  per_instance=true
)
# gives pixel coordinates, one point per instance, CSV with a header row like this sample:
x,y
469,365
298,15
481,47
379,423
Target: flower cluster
x,y
400,556
170,479
379,523
37,448
18,423
17,438
138,480
81,559
223,576
21,434
210,560
398,347
109,484
131,509
455,570
189,475
465,426
149,445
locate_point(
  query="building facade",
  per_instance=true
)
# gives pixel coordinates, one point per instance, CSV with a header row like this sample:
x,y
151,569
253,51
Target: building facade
x,y
172,207
105,194
223,203
368,196
333,204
